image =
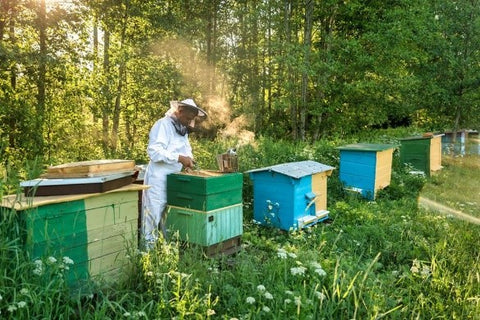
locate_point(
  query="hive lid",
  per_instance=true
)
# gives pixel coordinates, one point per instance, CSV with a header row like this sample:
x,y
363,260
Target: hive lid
x,y
296,169
73,181
422,137
367,147
90,168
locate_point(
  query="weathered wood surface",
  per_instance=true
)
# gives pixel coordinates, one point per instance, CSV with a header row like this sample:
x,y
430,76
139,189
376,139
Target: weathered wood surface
x,y
89,168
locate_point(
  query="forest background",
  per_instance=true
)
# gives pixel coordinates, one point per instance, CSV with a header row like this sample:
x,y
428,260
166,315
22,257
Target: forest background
x,y
286,80
86,79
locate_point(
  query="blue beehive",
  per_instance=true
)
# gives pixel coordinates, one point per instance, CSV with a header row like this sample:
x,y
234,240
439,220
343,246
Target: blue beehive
x,y
291,195
366,168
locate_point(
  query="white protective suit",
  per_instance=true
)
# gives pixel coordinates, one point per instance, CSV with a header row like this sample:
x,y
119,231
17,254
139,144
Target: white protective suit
x,y
164,147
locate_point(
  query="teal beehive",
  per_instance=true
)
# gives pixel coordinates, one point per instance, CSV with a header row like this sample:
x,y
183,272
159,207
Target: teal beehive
x,y
366,168
205,208
290,196
206,228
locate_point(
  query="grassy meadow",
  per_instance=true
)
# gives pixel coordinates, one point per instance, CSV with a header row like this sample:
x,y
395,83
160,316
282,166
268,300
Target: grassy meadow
x,y
383,259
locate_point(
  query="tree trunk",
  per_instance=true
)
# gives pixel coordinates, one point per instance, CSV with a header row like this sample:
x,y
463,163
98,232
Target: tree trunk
x,y
288,38
121,78
13,40
42,69
307,43
106,89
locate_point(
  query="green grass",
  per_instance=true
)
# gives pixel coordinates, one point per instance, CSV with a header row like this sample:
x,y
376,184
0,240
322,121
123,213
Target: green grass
x,y
457,184
383,259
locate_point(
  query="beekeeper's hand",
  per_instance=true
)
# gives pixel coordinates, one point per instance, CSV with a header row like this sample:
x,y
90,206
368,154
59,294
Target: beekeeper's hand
x,y
187,162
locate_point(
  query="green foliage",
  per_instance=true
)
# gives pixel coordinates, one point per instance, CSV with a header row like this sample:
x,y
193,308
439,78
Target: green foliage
x,y
370,259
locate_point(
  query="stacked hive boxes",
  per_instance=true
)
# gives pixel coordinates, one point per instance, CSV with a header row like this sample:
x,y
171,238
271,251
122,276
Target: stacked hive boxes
x,y
205,208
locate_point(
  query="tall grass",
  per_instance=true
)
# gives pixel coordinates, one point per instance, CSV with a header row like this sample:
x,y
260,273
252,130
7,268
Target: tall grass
x,y
371,260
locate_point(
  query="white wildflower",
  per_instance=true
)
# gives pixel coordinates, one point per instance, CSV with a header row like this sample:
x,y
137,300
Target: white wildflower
x,y
292,255
266,309
425,271
12,308
38,271
149,274
210,312
315,265
21,304
261,287
141,314
52,260
24,291
268,295
290,293
320,295
250,300
281,253
415,266
127,314
67,260
298,301
287,301
320,272
298,270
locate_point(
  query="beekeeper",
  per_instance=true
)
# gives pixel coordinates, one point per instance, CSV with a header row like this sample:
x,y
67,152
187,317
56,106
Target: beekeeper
x,y
169,151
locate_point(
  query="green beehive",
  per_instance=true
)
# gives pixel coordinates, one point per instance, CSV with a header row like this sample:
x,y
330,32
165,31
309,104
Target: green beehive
x,y
93,230
424,153
204,190
206,228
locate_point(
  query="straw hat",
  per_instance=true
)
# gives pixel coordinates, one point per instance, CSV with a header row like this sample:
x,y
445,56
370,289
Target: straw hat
x,y
189,103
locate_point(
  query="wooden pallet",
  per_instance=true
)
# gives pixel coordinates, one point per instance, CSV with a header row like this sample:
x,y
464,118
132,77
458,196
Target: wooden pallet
x,y
227,247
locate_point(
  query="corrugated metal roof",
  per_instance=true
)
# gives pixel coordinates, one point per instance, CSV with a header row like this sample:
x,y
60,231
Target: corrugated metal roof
x,y
296,169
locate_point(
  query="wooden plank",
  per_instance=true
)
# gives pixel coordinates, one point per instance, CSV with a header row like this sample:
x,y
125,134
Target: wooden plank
x,y
107,262
319,187
89,168
436,154
383,169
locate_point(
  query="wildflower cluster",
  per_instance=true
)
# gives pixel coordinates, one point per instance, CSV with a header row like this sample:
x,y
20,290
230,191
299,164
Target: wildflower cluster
x,y
300,269
420,268
265,299
52,264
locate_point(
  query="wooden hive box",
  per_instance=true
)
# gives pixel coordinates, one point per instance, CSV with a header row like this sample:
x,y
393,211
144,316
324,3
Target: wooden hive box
x,y
424,153
206,228
204,190
366,168
290,196
94,230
